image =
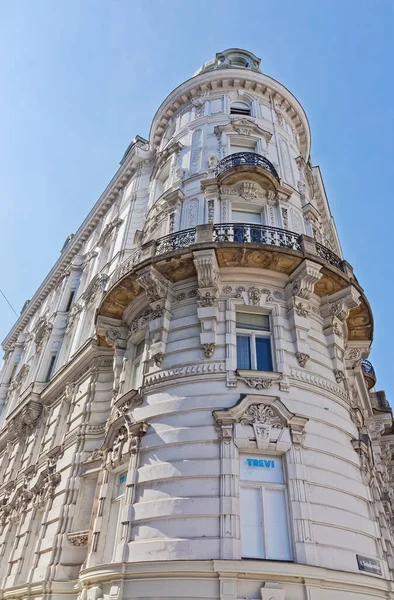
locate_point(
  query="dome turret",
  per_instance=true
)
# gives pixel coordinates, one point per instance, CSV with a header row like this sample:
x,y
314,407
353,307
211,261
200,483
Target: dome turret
x,y
230,58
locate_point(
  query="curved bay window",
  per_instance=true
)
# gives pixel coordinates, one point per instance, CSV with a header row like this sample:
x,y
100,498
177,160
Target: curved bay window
x,y
254,350
263,508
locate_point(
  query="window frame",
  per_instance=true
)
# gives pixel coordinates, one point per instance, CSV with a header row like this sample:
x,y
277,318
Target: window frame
x,y
136,375
239,110
252,334
251,212
261,485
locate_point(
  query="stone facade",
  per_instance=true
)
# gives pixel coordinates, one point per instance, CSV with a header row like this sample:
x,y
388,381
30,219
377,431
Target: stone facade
x,y
128,414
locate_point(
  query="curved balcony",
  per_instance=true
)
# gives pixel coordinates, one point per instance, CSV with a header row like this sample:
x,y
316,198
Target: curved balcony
x,y
237,233
239,159
369,373
257,234
235,245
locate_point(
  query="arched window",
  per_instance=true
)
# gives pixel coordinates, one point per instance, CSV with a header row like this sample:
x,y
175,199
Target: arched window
x,y
240,108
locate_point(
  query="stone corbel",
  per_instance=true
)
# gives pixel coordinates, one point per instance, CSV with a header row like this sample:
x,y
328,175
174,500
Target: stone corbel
x,y
354,352
335,312
299,291
26,418
303,280
159,292
115,335
208,290
363,448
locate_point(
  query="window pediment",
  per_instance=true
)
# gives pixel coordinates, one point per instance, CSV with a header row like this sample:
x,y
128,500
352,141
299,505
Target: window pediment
x,y
244,126
263,421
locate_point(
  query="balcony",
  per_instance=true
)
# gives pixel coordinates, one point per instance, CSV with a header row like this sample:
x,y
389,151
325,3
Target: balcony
x,y
257,234
236,245
369,373
227,234
242,159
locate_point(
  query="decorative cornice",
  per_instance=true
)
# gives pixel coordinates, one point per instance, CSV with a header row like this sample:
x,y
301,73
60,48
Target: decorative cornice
x,y
320,382
224,81
187,371
61,266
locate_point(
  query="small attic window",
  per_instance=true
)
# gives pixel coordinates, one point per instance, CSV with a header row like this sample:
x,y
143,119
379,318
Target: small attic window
x,y
239,108
239,61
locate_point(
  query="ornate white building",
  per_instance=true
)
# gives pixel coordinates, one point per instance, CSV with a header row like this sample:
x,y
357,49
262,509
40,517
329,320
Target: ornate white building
x,y
186,408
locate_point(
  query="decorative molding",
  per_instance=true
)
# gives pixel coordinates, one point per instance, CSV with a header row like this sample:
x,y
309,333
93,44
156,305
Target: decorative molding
x,y
257,383
320,382
78,539
339,375
158,358
18,380
187,371
108,231
208,349
302,358
264,414
95,288
72,315
302,310
43,331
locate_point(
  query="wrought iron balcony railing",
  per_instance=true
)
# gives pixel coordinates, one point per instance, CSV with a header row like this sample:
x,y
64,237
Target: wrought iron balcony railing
x,y
245,158
224,232
258,234
328,255
369,373
176,241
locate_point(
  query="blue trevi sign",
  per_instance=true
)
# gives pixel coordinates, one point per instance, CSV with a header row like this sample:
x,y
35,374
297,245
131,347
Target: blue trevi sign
x,y
265,464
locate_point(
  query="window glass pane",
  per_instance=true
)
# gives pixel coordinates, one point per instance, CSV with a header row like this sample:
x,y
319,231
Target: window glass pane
x,y
136,374
263,354
140,348
276,526
235,148
240,216
243,352
260,468
121,485
252,543
253,321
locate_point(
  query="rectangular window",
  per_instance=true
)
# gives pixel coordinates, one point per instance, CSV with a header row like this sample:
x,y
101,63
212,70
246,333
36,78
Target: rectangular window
x,y
136,369
263,509
240,147
243,216
70,300
253,342
120,488
14,367
51,367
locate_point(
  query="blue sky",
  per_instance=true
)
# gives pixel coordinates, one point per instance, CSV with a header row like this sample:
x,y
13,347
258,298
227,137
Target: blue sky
x,y
79,79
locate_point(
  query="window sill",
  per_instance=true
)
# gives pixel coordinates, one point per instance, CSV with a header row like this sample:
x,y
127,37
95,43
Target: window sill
x,y
273,375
